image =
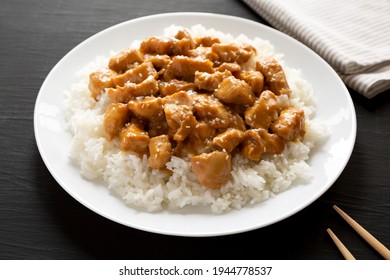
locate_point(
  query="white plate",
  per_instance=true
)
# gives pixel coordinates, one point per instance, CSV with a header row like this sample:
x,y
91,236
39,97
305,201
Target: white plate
x,y
334,106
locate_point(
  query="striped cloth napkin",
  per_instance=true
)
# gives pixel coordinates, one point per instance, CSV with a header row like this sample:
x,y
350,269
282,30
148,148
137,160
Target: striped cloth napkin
x,y
353,36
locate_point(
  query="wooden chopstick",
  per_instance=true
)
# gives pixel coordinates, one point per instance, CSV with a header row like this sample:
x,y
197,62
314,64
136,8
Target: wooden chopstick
x,y
344,251
378,246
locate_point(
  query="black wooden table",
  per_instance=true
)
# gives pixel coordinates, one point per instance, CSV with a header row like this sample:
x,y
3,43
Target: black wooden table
x,y
39,220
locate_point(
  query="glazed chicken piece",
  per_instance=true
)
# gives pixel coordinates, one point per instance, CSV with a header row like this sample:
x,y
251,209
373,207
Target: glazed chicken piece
x,y
178,114
129,91
183,44
210,110
173,86
253,78
160,62
198,141
100,80
274,75
274,144
206,41
201,52
204,132
253,146
179,98
232,52
180,120
259,141
232,67
121,61
183,67
201,137
148,108
263,112
229,139
155,45
135,75
236,91
184,34
210,82
203,47
160,149
182,47
134,139
115,117
290,125
212,169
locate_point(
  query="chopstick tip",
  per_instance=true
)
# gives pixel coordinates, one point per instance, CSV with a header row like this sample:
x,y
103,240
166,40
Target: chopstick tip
x,y
343,250
337,209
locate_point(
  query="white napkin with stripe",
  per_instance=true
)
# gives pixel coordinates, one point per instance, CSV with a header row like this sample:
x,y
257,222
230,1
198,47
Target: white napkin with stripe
x,y
353,36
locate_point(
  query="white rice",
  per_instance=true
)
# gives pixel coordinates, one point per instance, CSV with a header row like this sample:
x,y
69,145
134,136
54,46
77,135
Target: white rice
x,y
130,178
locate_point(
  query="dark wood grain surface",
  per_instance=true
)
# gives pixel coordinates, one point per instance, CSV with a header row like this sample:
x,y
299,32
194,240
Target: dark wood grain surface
x,y
39,220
